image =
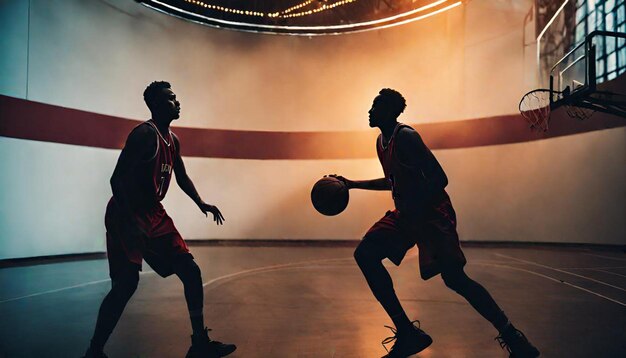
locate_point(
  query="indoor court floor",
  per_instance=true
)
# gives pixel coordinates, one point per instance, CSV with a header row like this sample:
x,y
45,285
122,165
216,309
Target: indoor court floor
x,y
312,301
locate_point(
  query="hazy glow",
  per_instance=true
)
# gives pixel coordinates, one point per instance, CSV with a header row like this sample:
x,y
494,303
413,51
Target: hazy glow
x,y
449,7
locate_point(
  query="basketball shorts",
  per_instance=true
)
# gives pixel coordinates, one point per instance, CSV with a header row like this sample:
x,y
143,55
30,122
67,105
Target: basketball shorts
x,y
435,235
160,249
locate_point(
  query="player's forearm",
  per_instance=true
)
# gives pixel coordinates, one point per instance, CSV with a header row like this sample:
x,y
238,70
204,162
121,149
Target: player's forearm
x,y
374,184
188,188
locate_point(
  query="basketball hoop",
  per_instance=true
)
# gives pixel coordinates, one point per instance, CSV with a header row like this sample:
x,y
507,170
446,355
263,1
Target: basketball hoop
x,y
598,101
535,108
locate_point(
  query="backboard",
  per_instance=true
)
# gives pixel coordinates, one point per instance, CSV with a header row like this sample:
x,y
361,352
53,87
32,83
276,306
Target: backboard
x,y
578,48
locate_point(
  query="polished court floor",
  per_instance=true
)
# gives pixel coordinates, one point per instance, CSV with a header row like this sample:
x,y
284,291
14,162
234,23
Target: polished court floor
x,y
308,301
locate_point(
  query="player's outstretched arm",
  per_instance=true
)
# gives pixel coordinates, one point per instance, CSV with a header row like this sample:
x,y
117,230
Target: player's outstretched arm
x,y
185,183
373,184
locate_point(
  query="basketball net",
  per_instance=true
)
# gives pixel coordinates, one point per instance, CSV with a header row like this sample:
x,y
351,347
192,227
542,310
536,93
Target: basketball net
x,y
576,112
535,108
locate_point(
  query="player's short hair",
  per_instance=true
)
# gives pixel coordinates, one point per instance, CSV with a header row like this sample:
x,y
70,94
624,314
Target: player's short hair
x,y
393,99
153,90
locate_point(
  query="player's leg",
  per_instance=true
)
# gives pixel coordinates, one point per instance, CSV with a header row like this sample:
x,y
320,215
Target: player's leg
x,y
408,338
124,267
123,285
386,239
477,296
443,253
168,254
189,273
515,341
369,257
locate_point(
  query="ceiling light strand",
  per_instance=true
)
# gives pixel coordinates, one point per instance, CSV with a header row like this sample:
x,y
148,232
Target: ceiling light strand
x,y
284,14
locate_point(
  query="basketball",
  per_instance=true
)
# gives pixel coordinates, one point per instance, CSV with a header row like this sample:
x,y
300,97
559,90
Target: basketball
x,y
329,196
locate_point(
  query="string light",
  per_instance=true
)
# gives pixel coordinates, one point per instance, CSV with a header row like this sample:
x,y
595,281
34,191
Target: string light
x,y
296,7
320,9
382,23
226,9
281,14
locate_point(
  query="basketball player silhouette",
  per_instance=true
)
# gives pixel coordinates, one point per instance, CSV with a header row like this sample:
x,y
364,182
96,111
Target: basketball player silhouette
x,y
424,216
139,228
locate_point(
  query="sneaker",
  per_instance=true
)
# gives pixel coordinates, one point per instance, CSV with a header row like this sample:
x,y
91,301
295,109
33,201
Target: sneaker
x,y
407,343
516,343
91,354
203,347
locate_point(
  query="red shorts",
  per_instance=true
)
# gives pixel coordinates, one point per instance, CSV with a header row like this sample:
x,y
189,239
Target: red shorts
x,y
162,246
435,235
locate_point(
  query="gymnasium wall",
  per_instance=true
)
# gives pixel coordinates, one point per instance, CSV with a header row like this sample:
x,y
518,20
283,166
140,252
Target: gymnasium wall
x,y
468,63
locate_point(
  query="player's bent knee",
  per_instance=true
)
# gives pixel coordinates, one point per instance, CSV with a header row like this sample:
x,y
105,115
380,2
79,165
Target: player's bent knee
x,y
454,279
187,269
126,286
366,253
194,271
360,253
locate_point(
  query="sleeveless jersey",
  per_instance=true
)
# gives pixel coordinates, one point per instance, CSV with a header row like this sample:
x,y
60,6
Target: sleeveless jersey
x,y
163,162
151,178
406,182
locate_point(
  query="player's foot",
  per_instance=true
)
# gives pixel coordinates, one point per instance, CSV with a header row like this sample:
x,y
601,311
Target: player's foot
x,y
408,342
203,347
516,343
93,354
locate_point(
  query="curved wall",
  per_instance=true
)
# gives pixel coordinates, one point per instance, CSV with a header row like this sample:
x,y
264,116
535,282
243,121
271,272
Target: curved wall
x,y
98,56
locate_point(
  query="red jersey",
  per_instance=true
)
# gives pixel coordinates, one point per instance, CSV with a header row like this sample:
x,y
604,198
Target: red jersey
x,y
163,162
145,187
151,178
405,180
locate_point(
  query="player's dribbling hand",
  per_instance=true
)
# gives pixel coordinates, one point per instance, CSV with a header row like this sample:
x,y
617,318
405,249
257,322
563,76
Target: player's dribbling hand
x,y
349,183
217,215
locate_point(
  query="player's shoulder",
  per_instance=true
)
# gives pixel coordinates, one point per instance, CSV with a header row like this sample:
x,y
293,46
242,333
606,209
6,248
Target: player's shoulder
x,y
407,133
143,129
142,133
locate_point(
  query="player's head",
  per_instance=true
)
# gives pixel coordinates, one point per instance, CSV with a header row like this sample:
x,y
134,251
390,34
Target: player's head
x,y
161,101
386,108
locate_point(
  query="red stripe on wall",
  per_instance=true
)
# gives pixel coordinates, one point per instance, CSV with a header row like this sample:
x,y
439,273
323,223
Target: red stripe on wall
x,y
44,122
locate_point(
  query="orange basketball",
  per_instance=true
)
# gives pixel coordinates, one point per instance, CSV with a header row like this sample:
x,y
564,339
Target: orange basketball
x,y
329,196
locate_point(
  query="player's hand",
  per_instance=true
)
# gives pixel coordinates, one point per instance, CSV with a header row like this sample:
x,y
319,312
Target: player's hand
x,y
217,215
349,183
